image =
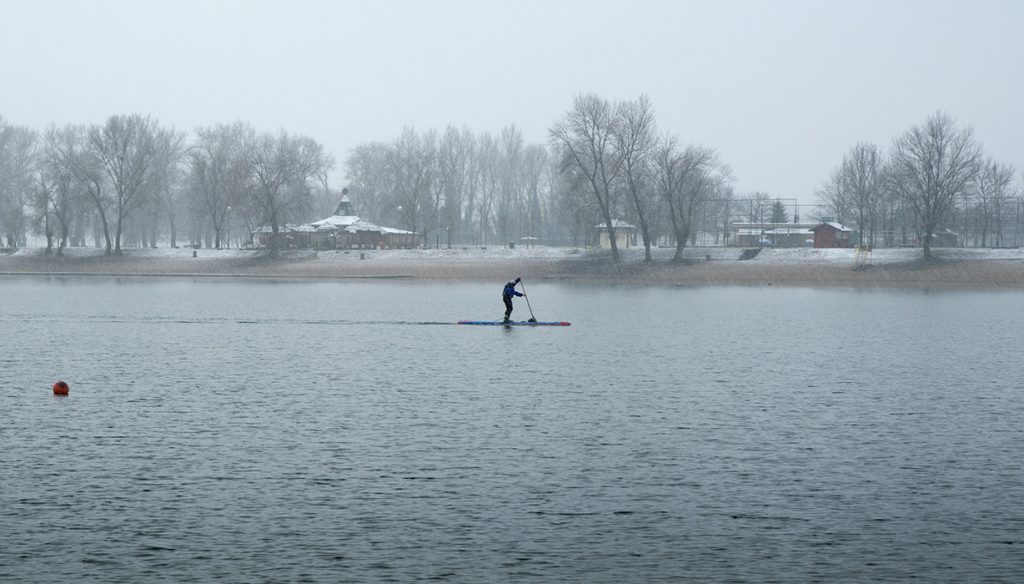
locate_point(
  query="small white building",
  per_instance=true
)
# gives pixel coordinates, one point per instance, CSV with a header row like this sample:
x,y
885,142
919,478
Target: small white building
x,y
625,234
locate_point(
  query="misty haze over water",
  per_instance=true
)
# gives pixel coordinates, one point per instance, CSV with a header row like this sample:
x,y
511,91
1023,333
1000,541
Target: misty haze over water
x,y
250,431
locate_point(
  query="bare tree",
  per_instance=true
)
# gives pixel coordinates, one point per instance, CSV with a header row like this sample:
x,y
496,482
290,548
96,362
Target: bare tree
x,y
59,191
863,168
933,165
635,140
313,164
856,187
535,167
488,179
412,163
282,167
125,147
685,179
216,167
992,189
77,154
369,181
573,203
723,211
584,140
834,196
165,176
509,198
270,160
17,162
456,168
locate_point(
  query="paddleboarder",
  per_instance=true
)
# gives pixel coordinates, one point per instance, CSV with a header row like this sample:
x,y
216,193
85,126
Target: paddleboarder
x,y
507,294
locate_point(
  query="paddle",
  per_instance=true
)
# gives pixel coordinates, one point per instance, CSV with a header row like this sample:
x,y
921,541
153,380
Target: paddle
x,y
532,318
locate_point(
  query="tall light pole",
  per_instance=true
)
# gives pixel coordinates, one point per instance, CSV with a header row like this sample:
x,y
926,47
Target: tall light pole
x,y
227,227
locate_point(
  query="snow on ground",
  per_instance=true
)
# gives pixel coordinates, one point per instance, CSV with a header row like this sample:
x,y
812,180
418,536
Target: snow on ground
x,y
456,253
491,253
822,256
459,253
160,252
883,256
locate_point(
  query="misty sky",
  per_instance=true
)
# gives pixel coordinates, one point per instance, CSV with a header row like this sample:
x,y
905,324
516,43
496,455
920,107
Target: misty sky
x,y
782,88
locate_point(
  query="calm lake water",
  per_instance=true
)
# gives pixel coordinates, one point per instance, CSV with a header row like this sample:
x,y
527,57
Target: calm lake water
x,y
262,431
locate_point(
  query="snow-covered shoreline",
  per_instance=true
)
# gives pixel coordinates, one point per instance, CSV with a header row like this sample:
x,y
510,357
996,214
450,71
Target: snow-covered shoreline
x,y
895,267
465,253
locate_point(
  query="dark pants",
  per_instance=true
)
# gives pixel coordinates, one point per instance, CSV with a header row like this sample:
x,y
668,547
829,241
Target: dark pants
x,y
508,306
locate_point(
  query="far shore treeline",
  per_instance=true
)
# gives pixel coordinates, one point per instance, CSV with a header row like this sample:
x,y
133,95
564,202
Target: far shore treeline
x,y
132,182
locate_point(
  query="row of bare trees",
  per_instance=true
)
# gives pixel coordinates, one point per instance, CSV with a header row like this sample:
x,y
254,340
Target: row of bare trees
x,y
466,187
934,176
616,156
131,181
606,162
132,178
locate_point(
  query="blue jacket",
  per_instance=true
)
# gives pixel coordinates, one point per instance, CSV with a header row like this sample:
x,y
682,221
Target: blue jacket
x,y
510,290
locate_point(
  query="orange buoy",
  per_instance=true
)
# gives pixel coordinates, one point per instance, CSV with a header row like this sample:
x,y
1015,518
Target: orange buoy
x,y
60,388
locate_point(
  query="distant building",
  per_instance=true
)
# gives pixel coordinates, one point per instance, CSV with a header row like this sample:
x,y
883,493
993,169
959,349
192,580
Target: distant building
x,y
829,235
772,235
342,231
945,238
625,234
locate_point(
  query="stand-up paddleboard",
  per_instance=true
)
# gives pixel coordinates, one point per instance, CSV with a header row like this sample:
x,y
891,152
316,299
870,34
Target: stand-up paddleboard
x,y
513,323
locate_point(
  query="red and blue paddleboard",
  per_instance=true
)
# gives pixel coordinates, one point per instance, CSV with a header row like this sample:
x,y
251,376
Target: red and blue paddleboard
x,y
513,323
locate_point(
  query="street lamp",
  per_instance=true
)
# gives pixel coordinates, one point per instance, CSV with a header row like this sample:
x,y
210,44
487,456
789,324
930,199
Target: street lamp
x,y
227,226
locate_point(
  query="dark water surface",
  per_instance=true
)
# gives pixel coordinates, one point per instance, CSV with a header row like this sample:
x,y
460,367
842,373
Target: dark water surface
x,y
244,431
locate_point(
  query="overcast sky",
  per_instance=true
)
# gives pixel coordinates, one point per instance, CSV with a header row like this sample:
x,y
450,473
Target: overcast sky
x,y
781,88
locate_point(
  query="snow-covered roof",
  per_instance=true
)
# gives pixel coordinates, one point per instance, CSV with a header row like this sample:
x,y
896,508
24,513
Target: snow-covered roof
x,y
281,229
776,231
363,226
393,231
616,224
350,224
335,222
768,225
834,225
347,223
